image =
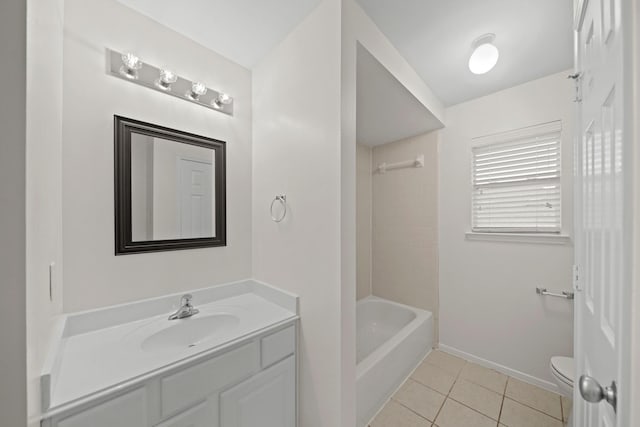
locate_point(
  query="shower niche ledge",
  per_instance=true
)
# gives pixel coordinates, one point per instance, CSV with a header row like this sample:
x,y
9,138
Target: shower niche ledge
x,y
232,364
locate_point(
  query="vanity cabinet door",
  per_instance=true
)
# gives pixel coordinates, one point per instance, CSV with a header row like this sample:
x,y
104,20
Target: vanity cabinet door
x,y
127,410
267,399
202,415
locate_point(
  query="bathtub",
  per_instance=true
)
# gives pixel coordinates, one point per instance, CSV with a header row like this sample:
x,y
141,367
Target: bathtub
x,y
391,339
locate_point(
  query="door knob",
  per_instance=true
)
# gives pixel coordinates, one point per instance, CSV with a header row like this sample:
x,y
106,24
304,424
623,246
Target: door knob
x,y
592,391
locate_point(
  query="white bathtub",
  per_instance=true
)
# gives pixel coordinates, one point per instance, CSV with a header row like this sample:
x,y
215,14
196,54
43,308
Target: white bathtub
x,y
391,339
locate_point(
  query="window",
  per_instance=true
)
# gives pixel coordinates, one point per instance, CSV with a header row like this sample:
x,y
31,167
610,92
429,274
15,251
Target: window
x,y
516,181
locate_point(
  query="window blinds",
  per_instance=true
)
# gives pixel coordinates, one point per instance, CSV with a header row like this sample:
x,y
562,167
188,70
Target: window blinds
x,y
516,181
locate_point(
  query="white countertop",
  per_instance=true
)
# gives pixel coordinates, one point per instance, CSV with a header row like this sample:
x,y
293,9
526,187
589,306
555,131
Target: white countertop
x,y
97,352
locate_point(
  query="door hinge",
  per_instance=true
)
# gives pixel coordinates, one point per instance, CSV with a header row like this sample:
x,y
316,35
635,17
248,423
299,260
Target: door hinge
x,y
576,278
577,80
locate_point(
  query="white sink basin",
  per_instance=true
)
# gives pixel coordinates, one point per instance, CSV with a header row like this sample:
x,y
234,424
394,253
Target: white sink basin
x,y
189,332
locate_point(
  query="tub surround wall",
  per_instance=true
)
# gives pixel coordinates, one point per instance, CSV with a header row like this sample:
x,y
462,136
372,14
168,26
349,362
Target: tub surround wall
x,y
44,186
363,221
489,308
296,150
405,225
93,276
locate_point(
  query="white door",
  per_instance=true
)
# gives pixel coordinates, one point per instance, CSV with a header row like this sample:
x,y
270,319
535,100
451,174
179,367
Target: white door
x,y
600,215
196,196
267,399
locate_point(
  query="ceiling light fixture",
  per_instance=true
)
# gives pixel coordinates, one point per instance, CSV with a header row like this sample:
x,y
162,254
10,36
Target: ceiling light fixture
x,y
166,79
131,65
197,90
485,54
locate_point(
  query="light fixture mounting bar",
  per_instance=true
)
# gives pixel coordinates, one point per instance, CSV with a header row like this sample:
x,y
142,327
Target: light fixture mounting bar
x,y
148,76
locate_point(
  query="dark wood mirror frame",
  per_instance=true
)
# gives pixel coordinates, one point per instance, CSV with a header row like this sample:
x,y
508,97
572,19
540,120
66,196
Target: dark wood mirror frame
x,y
124,244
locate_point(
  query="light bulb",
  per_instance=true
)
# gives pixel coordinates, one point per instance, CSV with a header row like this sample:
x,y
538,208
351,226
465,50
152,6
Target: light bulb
x,y
197,90
221,100
166,79
131,65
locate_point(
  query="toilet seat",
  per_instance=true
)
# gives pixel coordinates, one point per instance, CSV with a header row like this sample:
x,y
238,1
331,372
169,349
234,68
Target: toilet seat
x,y
563,368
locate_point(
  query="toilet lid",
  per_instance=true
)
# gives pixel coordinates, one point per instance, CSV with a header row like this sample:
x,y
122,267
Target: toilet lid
x,y
564,367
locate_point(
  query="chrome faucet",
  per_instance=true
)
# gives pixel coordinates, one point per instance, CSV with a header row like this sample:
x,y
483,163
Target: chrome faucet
x,y
186,309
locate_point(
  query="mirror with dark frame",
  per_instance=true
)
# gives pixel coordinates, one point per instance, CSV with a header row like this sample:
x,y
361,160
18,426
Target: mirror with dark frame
x,y
170,189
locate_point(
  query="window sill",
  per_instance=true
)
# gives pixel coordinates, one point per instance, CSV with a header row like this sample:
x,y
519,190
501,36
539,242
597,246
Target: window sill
x,y
545,239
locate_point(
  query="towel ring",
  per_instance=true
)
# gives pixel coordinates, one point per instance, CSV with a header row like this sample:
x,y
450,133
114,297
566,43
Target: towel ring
x,y
283,201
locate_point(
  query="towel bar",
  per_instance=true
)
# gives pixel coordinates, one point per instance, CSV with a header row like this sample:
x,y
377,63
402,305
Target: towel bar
x,y
563,294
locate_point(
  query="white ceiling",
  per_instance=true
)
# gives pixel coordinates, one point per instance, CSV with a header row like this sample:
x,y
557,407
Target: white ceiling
x,y
244,31
435,36
386,110
534,37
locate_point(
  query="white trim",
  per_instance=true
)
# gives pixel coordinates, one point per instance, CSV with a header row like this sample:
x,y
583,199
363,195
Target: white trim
x,y
501,368
579,9
539,238
516,134
631,24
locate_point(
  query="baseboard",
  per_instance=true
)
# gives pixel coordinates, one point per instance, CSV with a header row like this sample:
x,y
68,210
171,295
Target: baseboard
x,y
501,368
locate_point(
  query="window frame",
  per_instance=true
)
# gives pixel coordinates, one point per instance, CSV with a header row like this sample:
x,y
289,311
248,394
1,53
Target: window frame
x,y
517,234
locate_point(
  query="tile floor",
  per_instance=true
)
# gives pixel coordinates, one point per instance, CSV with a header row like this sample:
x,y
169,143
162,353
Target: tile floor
x,y
446,391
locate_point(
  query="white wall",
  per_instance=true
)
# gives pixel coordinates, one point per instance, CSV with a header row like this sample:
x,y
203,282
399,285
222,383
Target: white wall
x,y
363,221
13,394
488,305
296,151
93,276
142,187
44,185
358,28
405,225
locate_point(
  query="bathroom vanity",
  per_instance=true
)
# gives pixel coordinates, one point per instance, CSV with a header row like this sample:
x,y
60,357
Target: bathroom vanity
x,y
233,364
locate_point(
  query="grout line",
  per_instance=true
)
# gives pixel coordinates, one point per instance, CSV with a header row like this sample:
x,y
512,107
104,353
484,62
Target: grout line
x,y
402,385
448,396
531,407
535,409
504,396
458,378
562,409
455,381
408,408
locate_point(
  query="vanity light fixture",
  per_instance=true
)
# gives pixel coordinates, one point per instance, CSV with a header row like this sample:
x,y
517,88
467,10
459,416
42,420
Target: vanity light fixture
x,y
166,79
485,54
197,90
130,66
221,100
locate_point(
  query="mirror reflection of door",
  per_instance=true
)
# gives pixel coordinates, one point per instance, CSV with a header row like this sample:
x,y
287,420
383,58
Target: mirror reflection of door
x,y
172,189
196,197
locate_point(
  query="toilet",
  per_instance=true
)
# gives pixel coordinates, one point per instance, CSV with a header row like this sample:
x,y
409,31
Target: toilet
x,y
563,371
